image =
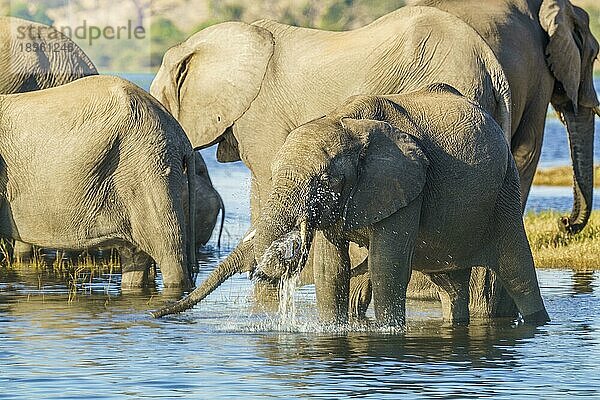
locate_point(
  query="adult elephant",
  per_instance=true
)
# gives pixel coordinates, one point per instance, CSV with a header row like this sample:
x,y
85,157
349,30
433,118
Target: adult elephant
x,y
547,52
245,87
383,171
35,56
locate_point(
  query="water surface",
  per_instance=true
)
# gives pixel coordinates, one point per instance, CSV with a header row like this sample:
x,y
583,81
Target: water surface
x,y
100,343
105,345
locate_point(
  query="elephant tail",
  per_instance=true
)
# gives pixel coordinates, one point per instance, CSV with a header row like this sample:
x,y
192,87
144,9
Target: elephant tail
x,y
222,205
190,164
503,99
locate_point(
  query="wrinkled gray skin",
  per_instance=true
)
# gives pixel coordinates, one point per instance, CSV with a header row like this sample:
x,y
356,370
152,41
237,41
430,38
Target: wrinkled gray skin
x,y
24,68
207,207
246,87
547,52
98,162
382,171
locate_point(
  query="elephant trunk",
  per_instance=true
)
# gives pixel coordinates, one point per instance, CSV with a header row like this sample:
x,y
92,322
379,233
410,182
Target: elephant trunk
x,y
240,260
278,244
580,127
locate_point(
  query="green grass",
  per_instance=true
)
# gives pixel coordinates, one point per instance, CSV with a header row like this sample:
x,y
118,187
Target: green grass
x,y
553,249
561,176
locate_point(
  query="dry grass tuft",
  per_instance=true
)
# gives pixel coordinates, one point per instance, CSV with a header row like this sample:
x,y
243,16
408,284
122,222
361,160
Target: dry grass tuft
x,y
553,249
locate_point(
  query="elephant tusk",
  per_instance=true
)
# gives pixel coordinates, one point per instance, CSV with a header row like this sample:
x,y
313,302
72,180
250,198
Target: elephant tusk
x,y
597,110
249,236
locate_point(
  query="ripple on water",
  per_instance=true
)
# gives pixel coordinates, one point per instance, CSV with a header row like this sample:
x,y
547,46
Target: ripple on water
x,y
104,345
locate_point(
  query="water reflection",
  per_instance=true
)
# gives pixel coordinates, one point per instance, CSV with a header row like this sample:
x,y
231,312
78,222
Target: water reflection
x,y
584,282
228,346
428,358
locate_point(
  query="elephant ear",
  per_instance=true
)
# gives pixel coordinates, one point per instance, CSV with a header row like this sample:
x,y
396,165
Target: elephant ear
x,y
391,172
210,80
571,49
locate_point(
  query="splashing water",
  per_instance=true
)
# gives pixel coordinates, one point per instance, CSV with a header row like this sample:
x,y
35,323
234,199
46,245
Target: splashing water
x,y
281,250
287,302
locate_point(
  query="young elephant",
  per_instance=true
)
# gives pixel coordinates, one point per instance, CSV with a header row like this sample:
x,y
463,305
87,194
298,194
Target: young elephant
x,y
99,162
424,180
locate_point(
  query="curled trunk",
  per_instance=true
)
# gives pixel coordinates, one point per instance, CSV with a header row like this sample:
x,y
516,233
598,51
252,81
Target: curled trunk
x,y
240,260
580,127
276,223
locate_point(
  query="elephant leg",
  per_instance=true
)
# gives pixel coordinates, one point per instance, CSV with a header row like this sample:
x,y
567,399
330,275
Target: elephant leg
x,y
390,262
360,289
159,230
489,299
517,272
22,252
515,265
265,296
526,145
332,278
454,294
135,267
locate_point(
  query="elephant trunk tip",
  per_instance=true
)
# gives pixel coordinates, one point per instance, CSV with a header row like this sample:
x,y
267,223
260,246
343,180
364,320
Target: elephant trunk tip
x,y
173,308
280,258
570,227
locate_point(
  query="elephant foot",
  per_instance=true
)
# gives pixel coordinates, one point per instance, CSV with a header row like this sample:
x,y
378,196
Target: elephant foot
x,y
538,318
135,269
360,291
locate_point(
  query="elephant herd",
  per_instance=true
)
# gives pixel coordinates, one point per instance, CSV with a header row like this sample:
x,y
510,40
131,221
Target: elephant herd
x,y
402,150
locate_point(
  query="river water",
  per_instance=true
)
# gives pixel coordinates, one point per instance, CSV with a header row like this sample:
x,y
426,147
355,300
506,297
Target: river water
x,y
102,344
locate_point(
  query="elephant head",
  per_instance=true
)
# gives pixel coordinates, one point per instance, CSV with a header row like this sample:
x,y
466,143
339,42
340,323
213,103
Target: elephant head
x,y
335,174
570,52
209,81
208,204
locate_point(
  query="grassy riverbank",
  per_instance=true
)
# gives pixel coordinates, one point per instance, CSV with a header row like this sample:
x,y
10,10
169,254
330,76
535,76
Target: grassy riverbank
x,y
552,249
561,176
